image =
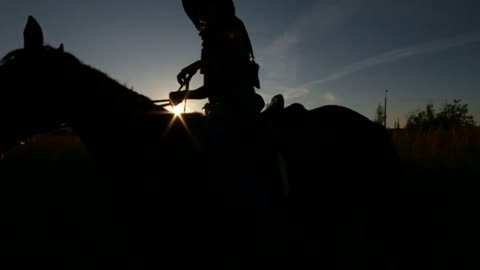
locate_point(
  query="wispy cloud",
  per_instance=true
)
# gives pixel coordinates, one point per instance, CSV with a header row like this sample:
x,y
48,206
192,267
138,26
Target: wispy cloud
x,y
293,93
279,59
322,97
330,98
399,54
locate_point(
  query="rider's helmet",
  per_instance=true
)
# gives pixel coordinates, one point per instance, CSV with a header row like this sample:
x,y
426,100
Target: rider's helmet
x,y
199,10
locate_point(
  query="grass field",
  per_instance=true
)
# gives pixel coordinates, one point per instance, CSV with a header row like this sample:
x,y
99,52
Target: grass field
x,y
59,145
438,150
418,150
438,186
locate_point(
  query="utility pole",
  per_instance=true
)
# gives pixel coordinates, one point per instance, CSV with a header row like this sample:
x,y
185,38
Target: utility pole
x,y
385,107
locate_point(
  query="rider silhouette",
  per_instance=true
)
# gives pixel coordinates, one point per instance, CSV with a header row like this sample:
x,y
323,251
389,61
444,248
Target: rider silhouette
x,y
230,73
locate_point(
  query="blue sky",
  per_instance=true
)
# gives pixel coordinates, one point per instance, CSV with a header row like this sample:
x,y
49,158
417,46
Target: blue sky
x,y
315,52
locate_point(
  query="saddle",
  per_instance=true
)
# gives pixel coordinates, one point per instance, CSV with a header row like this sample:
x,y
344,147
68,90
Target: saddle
x,y
276,108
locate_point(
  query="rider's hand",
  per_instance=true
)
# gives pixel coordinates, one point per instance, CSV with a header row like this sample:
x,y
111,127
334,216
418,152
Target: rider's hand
x,y
176,97
187,73
183,76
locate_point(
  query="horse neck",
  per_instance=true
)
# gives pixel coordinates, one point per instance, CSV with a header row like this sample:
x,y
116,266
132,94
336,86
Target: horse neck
x,y
107,115
104,94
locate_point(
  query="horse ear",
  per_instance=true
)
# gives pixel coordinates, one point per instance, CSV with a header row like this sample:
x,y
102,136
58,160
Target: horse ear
x,y
61,49
32,35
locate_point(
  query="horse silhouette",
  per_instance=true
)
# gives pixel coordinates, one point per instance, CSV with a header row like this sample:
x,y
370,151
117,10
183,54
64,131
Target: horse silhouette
x,y
280,185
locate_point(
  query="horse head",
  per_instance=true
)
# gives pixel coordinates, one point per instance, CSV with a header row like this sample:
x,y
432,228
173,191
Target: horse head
x,y
29,98
42,88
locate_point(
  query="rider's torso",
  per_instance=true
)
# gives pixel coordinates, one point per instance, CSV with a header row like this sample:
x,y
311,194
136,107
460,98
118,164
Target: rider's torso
x,y
225,65
225,52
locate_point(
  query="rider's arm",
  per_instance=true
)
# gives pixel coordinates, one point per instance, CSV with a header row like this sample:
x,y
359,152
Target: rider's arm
x,y
187,73
200,93
194,67
178,96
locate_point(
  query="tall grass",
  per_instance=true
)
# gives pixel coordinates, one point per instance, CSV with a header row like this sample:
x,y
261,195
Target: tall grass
x,y
59,145
439,149
418,150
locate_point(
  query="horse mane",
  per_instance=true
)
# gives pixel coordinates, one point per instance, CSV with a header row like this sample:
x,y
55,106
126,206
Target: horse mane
x,y
22,52
10,56
122,94
112,89
103,87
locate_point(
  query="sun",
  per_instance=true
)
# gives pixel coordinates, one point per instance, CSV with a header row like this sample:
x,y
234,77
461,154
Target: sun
x,y
177,110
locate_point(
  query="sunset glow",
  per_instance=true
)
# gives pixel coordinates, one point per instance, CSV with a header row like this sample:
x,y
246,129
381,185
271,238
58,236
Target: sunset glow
x,y
313,52
178,110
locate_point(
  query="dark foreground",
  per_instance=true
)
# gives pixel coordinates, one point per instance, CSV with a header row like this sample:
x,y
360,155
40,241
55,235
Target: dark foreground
x,y
72,212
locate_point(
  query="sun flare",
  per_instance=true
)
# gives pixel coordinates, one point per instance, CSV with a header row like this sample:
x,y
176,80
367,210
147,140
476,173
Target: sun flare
x,y
177,110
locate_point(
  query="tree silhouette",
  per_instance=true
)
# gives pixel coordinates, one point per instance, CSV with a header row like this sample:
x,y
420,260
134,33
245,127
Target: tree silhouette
x,y
379,114
451,115
397,124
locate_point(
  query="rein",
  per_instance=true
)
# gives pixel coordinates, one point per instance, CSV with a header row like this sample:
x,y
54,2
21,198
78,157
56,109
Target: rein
x,y
168,102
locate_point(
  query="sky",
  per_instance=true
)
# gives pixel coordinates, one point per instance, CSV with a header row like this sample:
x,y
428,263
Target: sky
x,y
314,52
